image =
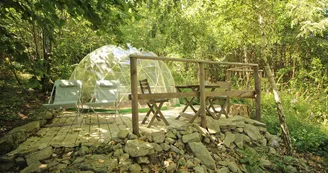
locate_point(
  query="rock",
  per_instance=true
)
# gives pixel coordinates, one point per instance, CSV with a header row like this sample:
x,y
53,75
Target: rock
x,y
170,134
207,140
135,168
170,140
229,138
202,153
193,137
223,170
239,140
83,150
156,147
199,169
143,160
118,152
158,137
175,149
233,167
136,148
213,126
6,144
171,168
123,134
165,146
30,128
99,164
40,155
34,167
217,157
254,122
266,163
291,169
272,150
190,164
247,139
252,132
133,136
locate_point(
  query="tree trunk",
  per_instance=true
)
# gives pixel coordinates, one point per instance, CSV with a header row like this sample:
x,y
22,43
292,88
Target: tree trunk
x,y
283,125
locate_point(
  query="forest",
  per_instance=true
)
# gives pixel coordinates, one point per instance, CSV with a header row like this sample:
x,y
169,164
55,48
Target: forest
x,y
44,40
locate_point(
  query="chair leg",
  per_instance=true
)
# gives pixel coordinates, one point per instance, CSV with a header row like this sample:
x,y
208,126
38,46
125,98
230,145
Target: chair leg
x,y
158,112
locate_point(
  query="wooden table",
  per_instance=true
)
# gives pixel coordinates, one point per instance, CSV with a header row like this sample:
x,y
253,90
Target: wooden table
x,y
195,88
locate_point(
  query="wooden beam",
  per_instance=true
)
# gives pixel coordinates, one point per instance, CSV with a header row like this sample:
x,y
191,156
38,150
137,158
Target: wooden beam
x,y
232,93
165,95
134,96
192,60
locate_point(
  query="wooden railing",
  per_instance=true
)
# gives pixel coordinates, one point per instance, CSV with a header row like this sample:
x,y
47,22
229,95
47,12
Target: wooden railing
x,y
202,94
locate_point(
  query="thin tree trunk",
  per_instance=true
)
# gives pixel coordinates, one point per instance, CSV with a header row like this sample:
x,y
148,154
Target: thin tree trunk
x,y
283,125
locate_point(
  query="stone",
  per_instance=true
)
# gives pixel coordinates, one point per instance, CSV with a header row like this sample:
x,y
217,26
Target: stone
x,y
223,170
133,136
229,138
252,132
200,151
254,122
29,128
272,150
266,163
6,144
98,163
118,152
239,140
170,134
216,157
136,148
240,130
158,137
123,134
213,127
190,164
170,140
199,169
83,150
171,168
175,149
40,155
34,167
233,167
165,146
156,147
135,168
247,139
207,140
193,137
143,160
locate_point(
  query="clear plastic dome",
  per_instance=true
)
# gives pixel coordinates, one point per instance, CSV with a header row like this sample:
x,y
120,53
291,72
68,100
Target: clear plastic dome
x,y
113,63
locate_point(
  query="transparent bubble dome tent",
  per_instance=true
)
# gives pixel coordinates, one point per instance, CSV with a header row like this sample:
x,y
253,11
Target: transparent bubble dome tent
x,y
113,63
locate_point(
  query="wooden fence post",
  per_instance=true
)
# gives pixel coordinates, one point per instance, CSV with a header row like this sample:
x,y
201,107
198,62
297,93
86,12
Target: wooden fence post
x,y
257,81
134,95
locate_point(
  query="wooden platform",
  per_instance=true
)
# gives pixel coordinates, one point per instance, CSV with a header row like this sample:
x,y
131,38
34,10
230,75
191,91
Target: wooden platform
x,y
91,129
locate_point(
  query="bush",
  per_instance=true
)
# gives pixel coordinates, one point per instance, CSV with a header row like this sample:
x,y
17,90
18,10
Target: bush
x,y
307,134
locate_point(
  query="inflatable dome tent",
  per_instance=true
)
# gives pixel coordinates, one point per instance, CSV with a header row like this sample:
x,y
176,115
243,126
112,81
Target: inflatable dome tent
x,y
113,63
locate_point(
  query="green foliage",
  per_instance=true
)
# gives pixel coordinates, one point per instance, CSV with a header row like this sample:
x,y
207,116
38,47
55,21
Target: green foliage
x,y
307,134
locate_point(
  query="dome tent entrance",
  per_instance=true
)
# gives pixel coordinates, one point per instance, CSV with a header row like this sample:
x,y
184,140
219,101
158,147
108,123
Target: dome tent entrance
x,y
113,63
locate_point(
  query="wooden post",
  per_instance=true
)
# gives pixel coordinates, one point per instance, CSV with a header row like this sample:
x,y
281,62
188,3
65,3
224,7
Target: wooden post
x,y
257,80
134,96
228,79
202,95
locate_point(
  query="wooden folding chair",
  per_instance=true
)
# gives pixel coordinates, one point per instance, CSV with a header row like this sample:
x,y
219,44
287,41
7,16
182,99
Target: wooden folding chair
x,y
223,101
154,105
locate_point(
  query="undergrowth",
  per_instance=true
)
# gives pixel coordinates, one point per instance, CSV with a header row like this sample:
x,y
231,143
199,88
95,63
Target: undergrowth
x,y
306,118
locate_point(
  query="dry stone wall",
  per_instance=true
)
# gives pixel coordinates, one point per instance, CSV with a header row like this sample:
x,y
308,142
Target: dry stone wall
x,y
189,148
